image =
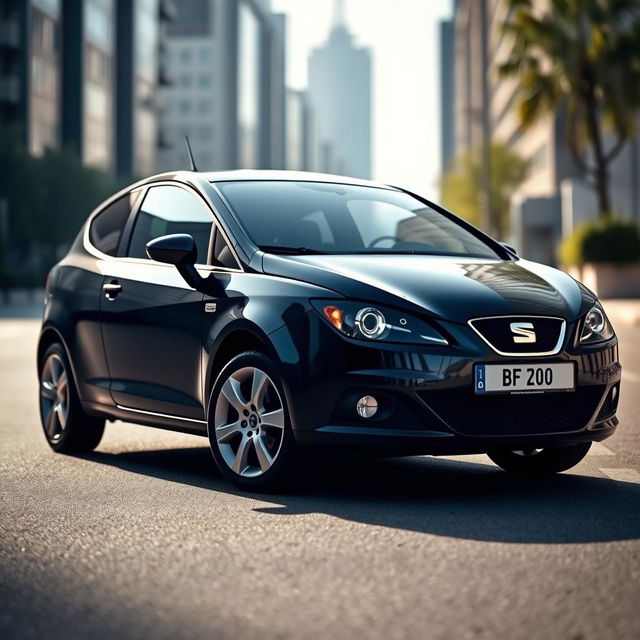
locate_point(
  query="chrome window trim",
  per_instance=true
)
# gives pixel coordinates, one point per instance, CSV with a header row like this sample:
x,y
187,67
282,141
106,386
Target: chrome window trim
x,y
554,351
90,248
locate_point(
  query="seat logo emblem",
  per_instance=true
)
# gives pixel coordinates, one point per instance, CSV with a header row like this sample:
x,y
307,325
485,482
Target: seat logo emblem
x,y
523,332
210,307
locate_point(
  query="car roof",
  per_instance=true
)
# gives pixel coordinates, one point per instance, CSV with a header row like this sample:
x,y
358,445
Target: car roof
x,y
266,175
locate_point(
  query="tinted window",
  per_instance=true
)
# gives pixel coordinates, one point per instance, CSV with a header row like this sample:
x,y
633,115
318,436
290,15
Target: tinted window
x,y
106,228
167,210
336,218
222,253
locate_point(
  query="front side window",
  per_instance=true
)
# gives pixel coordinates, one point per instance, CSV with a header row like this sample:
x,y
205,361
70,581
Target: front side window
x,y
106,228
166,210
335,218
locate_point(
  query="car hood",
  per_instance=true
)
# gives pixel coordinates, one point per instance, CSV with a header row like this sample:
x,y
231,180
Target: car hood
x,y
454,289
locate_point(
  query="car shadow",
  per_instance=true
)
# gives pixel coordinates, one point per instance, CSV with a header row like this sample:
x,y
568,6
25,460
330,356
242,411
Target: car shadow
x,y
438,496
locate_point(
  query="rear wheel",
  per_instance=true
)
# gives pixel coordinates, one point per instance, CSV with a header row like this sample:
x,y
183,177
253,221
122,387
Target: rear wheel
x,y
66,426
249,426
540,461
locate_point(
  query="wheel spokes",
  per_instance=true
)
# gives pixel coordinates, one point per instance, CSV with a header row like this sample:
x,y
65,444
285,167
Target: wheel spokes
x,y
259,386
50,421
48,391
233,393
61,413
225,432
265,460
273,419
240,462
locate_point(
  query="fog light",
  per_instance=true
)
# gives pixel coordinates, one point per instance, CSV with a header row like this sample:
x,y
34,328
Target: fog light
x,y
367,407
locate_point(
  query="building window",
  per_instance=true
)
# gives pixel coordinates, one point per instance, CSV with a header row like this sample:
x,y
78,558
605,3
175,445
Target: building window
x,y
204,106
205,55
184,107
204,81
185,56
185,80
192,19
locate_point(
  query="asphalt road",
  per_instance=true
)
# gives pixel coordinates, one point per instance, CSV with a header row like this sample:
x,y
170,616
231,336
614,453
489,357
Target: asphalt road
x,y
143,538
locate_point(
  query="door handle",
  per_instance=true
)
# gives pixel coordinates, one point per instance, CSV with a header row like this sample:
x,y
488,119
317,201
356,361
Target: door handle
x,y
111,289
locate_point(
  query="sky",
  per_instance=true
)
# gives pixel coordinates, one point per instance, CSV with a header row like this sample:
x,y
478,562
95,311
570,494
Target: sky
x,y
404,38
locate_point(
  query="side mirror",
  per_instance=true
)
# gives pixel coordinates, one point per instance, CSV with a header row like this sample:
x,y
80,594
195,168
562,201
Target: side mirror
x,y
509,248
180,250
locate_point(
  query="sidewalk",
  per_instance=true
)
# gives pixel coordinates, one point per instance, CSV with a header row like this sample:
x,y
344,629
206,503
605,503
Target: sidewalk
x,y
625,311
22,303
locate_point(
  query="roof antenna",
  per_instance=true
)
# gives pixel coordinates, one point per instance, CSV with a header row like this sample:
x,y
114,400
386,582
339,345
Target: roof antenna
x,y
191,160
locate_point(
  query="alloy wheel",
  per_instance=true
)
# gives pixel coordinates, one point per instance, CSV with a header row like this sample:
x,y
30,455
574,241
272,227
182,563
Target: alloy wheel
x,y
54,396
249,422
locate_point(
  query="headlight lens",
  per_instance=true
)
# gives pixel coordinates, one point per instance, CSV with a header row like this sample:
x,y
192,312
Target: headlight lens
x,y
366,322
596,327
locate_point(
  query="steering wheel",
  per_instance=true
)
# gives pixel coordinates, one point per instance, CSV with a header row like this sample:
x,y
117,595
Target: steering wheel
x,y
380,239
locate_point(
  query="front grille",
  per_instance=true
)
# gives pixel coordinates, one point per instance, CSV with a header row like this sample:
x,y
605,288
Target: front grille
x,y
518,414
501,334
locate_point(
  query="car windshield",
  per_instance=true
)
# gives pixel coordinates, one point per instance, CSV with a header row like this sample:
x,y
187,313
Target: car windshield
x,y
319,217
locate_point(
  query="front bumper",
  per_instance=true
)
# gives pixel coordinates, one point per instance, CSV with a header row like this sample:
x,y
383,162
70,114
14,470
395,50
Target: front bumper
x,y
427,402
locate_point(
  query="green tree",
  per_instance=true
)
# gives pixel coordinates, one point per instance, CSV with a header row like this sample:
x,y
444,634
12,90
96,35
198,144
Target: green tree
x,y
48,199
581,57
462,186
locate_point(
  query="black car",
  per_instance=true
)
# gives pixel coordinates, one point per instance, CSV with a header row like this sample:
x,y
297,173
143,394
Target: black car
x,y
275,312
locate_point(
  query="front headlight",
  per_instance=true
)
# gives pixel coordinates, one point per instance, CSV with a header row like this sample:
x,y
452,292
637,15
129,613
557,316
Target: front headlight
x,y
368,322
596,327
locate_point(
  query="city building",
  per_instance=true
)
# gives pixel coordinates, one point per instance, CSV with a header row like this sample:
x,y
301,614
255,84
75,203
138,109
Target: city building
x,y
83,74
88,80
555,196
140,71
227,62
30,71
340,94
447,83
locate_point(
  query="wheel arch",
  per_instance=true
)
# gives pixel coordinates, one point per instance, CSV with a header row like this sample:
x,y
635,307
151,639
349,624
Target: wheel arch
x,y
235,340
48,336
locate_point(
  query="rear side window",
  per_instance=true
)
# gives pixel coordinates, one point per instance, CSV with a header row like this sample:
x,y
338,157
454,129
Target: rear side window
x,y
166,210
106,228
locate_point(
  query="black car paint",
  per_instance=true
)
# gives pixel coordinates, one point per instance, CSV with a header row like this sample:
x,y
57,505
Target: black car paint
x,y
150,353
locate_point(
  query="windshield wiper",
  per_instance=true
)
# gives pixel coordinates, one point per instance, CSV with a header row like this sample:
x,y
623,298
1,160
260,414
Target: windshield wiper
x,y
276,248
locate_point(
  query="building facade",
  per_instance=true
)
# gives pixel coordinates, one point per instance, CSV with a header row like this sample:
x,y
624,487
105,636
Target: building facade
x,y
140,72
340,94
30,71
227,62
83,74
555,196
447,81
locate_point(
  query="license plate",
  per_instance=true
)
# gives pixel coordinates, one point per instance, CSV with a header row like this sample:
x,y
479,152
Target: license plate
x,y
529,378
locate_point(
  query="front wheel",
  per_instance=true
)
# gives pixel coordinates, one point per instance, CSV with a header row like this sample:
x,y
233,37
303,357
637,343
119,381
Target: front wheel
x,y
249,425
540,461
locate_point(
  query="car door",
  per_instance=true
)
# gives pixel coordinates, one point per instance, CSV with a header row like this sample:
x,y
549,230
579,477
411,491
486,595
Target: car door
x,y
151,319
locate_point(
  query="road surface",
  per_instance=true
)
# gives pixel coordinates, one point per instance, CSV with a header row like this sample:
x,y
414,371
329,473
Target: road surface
x,y
144,539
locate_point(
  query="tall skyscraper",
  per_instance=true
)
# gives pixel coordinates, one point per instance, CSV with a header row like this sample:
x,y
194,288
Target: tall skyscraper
x,y
340,93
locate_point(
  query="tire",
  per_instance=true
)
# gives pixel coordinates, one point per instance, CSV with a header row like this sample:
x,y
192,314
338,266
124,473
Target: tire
x,y
540,461
67,428
249,425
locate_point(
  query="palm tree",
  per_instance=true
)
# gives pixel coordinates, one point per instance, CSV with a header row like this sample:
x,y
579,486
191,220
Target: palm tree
x,y
580,57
